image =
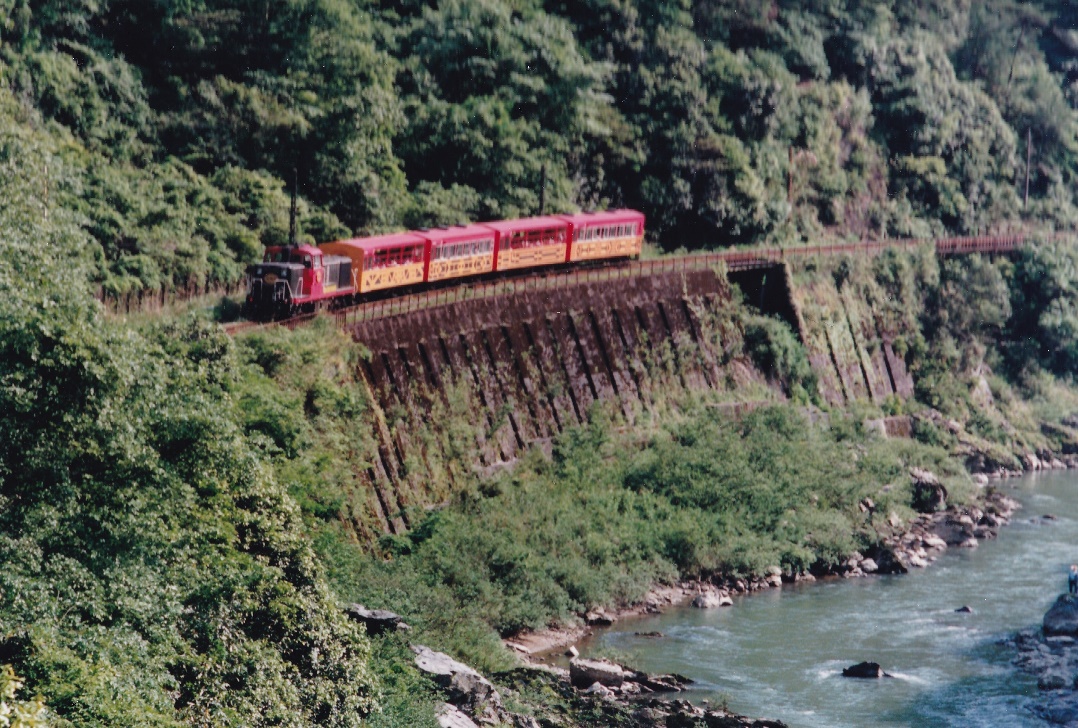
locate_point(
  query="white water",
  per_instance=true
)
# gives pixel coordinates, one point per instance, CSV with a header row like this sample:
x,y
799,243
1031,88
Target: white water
x,y
780,654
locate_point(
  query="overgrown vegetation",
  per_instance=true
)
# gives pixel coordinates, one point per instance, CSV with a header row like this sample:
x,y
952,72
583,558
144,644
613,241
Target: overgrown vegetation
x,y
610,516
155,572
182,514
725,122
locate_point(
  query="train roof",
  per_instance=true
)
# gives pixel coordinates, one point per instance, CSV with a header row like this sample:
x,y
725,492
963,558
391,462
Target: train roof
x,y
456,233
586,218
526,223
301,249
383,242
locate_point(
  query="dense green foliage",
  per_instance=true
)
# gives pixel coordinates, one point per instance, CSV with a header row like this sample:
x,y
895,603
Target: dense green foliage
x,y
183,123
609,516
161,489
154,572
15,712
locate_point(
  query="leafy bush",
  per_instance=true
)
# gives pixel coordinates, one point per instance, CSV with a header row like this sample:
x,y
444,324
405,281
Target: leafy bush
x,y
608,516
776,351
154,571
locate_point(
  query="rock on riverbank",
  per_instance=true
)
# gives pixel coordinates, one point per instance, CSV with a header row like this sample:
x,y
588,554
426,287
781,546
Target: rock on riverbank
x,y
912,545
590,690
1051,655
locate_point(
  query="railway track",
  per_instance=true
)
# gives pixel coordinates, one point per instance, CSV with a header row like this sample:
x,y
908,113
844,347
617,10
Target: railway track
x,y
732,260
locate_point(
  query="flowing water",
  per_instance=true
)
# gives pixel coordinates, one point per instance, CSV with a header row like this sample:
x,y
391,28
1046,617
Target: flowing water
x,y
780,654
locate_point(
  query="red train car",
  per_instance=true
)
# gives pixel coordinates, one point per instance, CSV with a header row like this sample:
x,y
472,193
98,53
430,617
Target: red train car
x,y
530,242
384,261
459,251
292,279
605,235
297,278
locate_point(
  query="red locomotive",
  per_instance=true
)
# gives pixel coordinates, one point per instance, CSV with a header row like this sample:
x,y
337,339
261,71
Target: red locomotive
x,y
303,278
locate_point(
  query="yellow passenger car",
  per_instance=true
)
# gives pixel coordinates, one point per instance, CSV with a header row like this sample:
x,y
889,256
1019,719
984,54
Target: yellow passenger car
x,y
384,261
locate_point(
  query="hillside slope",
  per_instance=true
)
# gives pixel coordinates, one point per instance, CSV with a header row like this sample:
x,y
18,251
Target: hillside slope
x,y
182,125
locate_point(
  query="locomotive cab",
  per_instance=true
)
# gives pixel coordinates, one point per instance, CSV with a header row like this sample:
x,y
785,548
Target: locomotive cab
x,y
278,281
295,277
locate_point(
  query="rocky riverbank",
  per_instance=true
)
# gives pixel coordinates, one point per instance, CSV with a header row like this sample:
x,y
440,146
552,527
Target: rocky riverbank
x,y
1051,655
902,546
590,692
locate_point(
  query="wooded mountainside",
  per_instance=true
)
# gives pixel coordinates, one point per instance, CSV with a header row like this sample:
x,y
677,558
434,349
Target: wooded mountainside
x,y
175,534
172,130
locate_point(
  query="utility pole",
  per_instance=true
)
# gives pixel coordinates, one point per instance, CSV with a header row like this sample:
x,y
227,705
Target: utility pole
x,y
1029,157
46,197
790,179
542,189
292,233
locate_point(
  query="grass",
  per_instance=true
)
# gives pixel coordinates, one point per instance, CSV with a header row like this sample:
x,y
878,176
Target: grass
x,y
606,517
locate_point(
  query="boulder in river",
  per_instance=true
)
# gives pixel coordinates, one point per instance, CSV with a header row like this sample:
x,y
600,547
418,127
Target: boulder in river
x,y
1062,618
712,599
869,670
1052,681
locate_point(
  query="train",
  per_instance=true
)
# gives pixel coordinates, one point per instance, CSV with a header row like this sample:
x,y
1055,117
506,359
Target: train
x,y
294,279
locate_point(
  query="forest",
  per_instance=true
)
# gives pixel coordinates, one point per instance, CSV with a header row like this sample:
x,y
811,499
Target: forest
x,y
176,130
174,547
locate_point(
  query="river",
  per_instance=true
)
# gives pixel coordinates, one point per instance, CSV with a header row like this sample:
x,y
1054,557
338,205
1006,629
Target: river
x,y
779,654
